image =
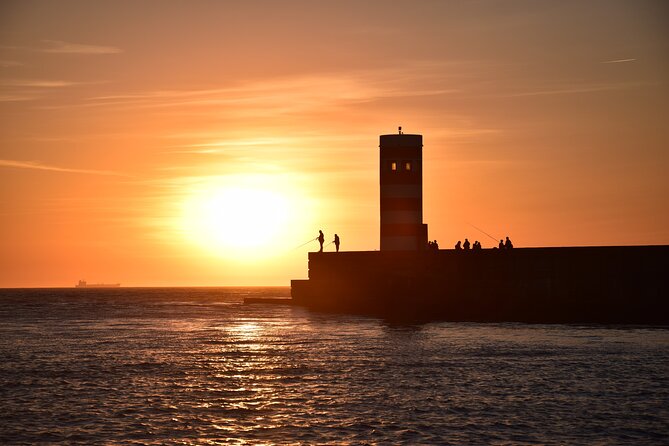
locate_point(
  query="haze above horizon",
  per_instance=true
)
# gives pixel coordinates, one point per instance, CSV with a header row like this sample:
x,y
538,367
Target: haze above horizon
x,y
199,143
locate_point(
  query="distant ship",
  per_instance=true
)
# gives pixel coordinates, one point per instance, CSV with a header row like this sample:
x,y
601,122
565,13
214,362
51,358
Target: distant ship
x,y
84,284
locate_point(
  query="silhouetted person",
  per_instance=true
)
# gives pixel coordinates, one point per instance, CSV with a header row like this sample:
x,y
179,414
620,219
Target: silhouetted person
x,y
477,245
435,245
336,242
457,246
321,239
508,244
466,245
501,244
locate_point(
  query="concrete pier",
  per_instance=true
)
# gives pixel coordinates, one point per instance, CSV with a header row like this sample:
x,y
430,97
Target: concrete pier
x,y
612,284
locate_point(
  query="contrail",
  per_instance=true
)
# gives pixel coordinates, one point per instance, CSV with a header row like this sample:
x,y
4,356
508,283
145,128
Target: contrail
x,y
619,61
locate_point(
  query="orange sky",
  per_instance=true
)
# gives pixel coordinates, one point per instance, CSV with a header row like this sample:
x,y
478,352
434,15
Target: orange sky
x,y
130,132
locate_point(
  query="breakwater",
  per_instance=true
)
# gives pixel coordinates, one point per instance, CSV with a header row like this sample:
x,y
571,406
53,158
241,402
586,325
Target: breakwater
x,y
609,284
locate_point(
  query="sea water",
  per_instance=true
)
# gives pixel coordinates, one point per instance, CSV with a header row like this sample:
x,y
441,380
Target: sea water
x,y
197,366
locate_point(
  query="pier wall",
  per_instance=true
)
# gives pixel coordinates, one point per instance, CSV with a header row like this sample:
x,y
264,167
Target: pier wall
x,y
613,284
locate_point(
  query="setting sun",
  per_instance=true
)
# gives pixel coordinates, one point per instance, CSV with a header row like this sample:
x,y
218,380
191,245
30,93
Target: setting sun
x,y
208,145
241,217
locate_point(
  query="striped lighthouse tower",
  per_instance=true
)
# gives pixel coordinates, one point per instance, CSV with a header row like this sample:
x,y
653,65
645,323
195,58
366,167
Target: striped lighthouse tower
x,y
401,177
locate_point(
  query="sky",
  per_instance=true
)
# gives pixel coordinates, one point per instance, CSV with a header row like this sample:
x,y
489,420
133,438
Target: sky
x,y
174,143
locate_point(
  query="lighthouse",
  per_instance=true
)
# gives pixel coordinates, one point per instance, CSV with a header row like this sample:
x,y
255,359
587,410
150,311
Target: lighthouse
x,y
401,200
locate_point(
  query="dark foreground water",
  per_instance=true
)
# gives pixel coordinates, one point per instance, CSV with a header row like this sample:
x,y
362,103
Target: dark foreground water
x,y
195,366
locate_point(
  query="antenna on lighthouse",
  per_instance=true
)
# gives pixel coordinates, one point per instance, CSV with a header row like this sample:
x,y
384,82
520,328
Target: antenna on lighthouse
x,y
399,129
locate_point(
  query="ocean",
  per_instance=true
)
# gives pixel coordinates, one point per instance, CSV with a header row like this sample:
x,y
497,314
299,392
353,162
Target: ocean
x,y
197,366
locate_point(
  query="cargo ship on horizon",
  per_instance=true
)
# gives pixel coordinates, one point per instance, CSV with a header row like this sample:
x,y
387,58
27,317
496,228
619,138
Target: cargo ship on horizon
x,y
84,284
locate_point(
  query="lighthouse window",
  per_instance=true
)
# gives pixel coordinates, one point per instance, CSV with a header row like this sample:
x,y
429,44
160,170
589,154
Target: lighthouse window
x,y
393,166
407,165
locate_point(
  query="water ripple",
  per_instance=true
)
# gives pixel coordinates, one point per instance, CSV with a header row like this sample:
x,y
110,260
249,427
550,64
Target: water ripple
x,y
195,366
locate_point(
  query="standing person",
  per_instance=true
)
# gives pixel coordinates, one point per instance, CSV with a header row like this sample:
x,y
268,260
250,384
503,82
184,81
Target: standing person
x,y
501,244
466,245
336,242
458,247
321,239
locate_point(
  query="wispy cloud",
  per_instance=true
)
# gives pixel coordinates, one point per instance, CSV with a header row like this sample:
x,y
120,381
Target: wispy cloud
x,y
35,83
16,97
225,145
277,96
15,90
9,63
580,89
60,47
39,166
619,60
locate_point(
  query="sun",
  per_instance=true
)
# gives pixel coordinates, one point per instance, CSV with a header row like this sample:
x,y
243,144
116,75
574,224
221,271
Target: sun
x,y
241,221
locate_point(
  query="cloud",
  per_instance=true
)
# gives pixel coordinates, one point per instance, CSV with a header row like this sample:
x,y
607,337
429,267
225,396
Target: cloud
x,y
16,90
619,61
16,98
9,63
581,89
226,145
60,47
35,83
283,95
38,166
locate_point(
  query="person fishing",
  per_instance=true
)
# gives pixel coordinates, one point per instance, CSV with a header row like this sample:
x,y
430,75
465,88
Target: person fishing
x,y
336,242
321,239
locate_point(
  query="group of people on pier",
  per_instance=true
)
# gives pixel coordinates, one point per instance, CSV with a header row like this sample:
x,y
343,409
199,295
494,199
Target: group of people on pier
x,y
432,245
505,244
466,246
321,240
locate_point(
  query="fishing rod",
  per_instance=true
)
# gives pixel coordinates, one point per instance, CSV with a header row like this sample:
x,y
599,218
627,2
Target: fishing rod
x,y
481,230
312,240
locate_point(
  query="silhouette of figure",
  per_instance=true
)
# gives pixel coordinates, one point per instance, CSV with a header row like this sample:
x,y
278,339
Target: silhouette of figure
x,y
321,239
435,245
508,244
477,245
466,245
457,246
336,242
501,244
